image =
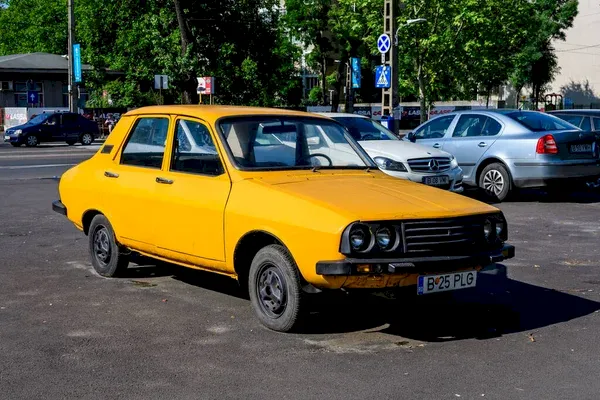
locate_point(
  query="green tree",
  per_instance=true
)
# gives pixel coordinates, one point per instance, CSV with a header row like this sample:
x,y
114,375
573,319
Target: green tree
x,y
28,26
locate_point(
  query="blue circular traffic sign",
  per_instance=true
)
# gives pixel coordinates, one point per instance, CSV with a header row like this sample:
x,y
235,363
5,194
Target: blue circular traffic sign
x,y
384,43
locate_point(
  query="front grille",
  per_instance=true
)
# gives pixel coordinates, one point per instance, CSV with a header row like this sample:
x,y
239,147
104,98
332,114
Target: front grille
x,y
432,165
444,236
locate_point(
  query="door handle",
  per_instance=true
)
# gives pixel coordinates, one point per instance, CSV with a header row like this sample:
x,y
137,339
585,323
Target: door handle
x,y
437,145
482,144
164,180
109,174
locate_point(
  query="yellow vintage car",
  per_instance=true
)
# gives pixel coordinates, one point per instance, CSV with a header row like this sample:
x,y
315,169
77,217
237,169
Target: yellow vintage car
x,y
259,195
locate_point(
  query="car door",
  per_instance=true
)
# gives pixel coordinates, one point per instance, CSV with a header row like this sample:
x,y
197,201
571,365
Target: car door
x,y
472,136
434,132
193,190
50,129
69,126
130,183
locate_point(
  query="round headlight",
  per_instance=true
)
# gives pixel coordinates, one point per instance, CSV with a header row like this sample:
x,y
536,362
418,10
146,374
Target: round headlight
x,y
360,238
487,229
500,229
385,238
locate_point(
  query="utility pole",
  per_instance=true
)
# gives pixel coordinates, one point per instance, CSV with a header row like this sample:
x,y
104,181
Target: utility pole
x,y
71,84
390,95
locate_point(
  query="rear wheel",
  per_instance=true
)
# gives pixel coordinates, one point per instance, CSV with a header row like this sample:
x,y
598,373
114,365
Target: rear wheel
x,y
107,258
495,182
31,141
87,139
275,289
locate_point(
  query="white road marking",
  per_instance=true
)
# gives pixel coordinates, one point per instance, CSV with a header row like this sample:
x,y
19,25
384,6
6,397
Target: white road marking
x,y
48,155
36,166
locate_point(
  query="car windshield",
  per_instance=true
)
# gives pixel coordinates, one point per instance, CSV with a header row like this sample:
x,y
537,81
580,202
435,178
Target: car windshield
x,y
365,129
273,142
540,122
38,119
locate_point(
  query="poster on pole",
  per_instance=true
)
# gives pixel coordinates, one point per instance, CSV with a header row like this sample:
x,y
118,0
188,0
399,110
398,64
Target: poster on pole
x,y
206,85
77,63
356,78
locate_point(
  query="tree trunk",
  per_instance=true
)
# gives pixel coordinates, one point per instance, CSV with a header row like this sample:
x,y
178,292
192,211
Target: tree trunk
x,y
186,39
324,81
422,99
488,94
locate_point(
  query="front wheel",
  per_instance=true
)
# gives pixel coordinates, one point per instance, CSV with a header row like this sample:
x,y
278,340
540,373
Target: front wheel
x,y
87,139
275,289
106,255
31,141
495,182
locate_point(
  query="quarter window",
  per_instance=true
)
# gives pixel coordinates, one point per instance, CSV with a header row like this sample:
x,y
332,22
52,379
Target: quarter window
x,y
194,150
435,129
146,144
597,124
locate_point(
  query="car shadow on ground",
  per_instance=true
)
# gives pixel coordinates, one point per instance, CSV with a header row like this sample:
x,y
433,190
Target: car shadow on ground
x,y
496,307
584,196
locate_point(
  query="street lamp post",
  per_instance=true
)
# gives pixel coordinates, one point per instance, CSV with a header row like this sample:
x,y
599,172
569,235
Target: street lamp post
x,y
72,89
408,22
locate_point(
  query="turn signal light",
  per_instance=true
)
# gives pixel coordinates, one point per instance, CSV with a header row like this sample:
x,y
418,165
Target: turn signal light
x,y
546,145
363,268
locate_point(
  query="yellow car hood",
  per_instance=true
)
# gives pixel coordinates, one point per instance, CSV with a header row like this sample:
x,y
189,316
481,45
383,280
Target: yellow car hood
x,y
375,196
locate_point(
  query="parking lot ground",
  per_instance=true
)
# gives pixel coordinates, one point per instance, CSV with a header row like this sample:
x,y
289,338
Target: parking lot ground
x,y
165,332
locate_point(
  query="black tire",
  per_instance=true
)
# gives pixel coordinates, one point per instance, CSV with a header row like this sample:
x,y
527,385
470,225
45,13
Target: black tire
x,y
16,144
31,141
106,255
274,268
86,139
71,142
495,181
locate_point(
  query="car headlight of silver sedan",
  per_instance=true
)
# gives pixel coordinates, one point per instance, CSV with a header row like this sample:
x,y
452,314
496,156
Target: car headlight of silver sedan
x,y
389,165
453,163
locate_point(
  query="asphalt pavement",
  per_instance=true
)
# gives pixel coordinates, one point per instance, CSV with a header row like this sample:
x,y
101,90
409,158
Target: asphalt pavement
x,y
164,332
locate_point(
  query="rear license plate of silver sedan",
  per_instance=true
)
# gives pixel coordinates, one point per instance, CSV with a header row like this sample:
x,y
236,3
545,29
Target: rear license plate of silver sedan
x,y
581,148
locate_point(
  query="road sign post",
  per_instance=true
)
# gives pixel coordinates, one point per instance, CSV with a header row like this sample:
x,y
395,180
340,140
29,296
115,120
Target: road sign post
x,y
389,98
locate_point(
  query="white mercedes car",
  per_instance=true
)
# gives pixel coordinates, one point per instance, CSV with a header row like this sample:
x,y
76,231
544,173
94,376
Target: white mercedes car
x,y
402,159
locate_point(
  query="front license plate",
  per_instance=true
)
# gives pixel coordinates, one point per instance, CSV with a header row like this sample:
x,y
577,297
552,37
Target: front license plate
x,y
6,137
442,283
436,180
581,148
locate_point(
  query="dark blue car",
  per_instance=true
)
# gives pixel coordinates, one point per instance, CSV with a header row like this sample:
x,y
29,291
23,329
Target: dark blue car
x,y
53,127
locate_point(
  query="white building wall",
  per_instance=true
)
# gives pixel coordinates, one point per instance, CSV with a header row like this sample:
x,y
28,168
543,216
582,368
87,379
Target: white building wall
x,y
579,55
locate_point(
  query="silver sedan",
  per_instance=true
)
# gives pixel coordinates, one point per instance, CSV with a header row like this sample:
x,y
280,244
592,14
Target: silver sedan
x,y
500,150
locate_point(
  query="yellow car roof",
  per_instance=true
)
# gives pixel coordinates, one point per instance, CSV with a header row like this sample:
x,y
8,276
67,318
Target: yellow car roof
x,y
215,112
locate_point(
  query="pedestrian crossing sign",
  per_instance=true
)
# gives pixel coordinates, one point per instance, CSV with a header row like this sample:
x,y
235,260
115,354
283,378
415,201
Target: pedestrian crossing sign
x,y
383,77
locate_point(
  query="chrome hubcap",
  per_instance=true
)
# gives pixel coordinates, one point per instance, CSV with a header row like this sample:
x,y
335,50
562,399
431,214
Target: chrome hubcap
x,y
87,138
493,182
102,248
31,140
271,291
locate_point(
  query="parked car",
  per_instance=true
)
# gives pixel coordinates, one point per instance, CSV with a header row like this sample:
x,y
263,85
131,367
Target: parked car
x,y
284,228
53,127
587,120
500,150
399,158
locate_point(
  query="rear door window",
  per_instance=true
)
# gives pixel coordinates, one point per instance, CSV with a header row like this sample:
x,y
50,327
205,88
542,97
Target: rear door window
x,y
596,124
146,143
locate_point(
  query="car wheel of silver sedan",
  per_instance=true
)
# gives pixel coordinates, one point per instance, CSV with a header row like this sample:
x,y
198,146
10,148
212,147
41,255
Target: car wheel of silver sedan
x,y
495,181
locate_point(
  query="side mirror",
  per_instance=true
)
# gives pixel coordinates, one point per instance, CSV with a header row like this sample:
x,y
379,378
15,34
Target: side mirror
x,y
313,141
411,136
